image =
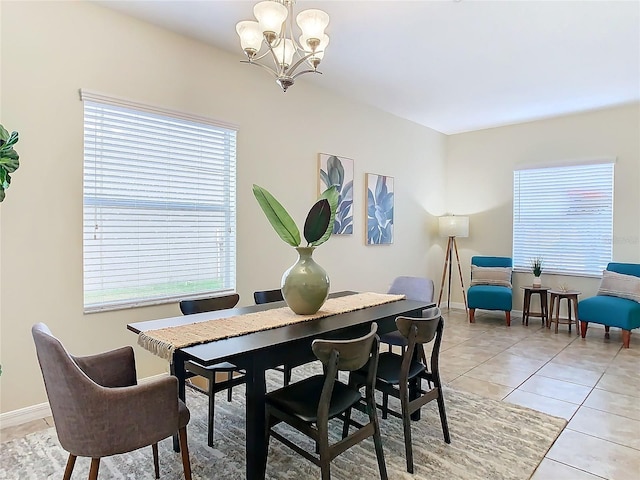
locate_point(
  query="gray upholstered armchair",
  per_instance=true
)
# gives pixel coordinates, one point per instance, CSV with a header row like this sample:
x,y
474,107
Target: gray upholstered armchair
x,y
98,408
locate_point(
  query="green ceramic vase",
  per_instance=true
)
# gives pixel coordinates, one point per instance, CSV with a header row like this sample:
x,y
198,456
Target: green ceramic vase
x,y
305,286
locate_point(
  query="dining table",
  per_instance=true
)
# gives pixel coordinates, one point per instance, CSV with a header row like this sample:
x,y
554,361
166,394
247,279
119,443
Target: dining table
x,y
259,351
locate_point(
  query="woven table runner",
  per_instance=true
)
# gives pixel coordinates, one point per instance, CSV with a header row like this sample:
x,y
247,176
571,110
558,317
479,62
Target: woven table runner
x,y
164,341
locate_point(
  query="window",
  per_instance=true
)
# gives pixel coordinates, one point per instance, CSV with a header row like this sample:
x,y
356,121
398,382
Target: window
x,y
159,205
564,214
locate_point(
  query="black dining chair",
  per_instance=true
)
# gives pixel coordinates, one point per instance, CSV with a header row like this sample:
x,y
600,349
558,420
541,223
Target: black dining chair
x,y
413,288
397,371
309,404
270,296
235,376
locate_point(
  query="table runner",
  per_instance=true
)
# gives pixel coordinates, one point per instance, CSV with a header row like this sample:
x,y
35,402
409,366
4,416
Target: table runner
x,y
162,342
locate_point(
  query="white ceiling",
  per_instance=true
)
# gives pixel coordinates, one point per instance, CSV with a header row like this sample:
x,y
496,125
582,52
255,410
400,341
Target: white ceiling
x,y
453,66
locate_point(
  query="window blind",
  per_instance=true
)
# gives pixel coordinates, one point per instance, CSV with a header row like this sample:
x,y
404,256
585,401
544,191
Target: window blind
x,y
159,205
564,215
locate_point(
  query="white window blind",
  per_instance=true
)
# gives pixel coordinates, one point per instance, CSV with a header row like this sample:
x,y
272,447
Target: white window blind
x,y
564,215
159,205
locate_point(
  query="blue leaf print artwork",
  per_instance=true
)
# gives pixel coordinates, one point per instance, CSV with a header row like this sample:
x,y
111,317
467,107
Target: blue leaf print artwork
x,y
336,174
379,209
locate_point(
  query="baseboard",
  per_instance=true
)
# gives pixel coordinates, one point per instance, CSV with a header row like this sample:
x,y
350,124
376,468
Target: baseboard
x,y
42,410
25,415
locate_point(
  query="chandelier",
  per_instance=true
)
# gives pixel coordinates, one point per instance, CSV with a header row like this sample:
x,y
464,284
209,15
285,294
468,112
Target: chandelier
x,y
274,30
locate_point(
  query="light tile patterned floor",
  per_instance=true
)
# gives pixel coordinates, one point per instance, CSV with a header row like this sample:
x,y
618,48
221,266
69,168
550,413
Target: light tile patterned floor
x,y
593,383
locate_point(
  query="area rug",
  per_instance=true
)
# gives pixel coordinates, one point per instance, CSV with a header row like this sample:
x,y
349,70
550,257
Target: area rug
x,y
489,439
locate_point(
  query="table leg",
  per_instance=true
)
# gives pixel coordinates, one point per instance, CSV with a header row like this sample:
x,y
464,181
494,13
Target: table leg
x,y
557,313
575,309
176,368
527,303
543,308
255,438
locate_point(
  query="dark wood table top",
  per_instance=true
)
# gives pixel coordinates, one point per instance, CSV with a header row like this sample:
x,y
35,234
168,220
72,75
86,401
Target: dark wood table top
x,y
330,327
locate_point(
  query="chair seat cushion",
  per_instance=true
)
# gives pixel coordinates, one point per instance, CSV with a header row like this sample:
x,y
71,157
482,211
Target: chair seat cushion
x,y
209,371
389,368
394,338
490,297
610,311
301,398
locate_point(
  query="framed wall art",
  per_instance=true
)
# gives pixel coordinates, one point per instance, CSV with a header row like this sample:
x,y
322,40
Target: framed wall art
x,y
338,171
379,209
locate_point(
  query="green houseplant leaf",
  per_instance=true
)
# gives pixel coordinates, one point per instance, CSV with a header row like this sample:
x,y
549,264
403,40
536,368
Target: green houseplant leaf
x,y
317,221
279,218
9,159
318,225
332,196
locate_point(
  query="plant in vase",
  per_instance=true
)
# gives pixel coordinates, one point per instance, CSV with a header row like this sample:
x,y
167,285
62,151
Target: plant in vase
x,y
9,159
536,268
305,286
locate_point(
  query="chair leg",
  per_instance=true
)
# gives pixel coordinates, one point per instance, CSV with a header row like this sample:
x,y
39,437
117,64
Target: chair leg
x,y
443,416
93,471
626,338
229,377
345,425
71,462
406,424
583,328
184,449
507,314
322,446
472,315
385,405
156,464
606,331
212,405
287,375
377,438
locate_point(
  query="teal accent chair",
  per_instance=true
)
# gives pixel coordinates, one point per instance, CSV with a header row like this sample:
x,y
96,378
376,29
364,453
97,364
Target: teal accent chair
x,y
612,311
490,297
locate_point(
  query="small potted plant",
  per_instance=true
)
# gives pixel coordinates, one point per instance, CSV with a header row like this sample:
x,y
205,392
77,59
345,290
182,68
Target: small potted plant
x,y
305,286
536,268
9,159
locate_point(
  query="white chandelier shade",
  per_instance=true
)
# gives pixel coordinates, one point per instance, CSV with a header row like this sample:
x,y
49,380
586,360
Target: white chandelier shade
x,y
274,30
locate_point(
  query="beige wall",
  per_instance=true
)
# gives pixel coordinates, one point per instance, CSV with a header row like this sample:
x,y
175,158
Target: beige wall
x,y
480,177
51,49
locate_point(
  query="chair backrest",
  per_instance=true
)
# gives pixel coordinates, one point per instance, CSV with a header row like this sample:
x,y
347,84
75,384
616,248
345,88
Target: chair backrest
x,y
267,296
414,288
482,261
352,354
188,307
69,390
426,326
625,268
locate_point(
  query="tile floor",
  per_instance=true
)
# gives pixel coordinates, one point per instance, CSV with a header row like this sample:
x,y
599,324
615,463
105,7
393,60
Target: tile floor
x,y
593,383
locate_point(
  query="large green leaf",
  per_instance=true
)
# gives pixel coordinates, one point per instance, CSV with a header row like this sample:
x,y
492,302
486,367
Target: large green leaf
x,y
331,195
279,218
317,221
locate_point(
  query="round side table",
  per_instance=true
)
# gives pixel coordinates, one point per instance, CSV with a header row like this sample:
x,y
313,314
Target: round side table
x,y
555,298
543,313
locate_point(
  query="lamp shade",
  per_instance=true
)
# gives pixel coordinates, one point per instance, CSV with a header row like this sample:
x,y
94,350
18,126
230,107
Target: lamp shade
x,y
453,226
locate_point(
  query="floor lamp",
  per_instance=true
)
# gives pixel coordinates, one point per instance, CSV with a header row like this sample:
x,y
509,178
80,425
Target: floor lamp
x,y
451,226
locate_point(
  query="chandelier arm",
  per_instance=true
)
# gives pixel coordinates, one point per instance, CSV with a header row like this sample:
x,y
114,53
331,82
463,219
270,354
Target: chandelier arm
x,y
293,77
298,63
268,69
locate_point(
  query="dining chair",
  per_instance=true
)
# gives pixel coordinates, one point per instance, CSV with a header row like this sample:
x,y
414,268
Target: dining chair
x,y
396,373
98,408
235,376
309,404
413,288
270,296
